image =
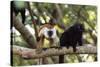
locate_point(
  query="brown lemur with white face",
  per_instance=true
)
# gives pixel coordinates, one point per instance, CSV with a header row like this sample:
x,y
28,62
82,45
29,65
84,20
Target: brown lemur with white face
x,y
49,32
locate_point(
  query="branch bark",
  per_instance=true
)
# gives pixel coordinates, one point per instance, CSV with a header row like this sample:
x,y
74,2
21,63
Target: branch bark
x,y
28,37
32,53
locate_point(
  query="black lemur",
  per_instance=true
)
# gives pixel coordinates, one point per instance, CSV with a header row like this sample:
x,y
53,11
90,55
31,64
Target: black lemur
x,y
71,37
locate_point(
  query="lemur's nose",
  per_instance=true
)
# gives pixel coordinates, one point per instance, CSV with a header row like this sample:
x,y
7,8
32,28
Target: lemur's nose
x,y
50,33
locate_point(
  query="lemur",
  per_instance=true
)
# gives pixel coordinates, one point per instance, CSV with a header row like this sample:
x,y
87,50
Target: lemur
x,y
49,32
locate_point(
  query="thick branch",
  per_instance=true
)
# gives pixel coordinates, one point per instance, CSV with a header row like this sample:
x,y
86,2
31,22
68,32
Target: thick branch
x,y
24,32
32,53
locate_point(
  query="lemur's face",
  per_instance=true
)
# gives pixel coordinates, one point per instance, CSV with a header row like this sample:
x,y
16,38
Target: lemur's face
x,y
79,27
48,32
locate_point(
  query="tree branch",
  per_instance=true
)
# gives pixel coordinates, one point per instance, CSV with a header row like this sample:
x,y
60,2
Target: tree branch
x,y
28,37
32,53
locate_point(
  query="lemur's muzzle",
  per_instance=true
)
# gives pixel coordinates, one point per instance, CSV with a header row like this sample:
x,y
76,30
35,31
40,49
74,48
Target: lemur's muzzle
x,y
50,33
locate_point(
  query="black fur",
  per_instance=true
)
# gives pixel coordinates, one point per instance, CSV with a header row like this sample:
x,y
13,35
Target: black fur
x,y
71,37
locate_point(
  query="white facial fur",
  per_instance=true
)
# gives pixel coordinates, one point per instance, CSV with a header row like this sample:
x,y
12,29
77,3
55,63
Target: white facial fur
x,y
44,31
